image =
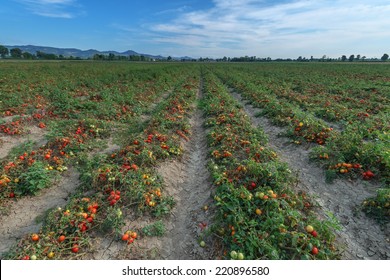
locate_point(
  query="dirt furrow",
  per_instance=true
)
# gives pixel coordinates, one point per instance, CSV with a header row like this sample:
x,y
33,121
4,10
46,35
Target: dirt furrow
x,y
25,214
7,143
188,181
361,236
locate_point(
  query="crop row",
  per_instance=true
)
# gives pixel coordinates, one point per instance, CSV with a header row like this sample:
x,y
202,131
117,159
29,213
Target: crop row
x,y
114,186
259,216
360,150
68,134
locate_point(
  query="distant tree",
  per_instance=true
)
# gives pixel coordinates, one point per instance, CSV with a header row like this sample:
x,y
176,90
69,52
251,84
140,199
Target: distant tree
x,y
51,56
134,58
358,57
3,51
385,57
27,55
364,57
42,55
16,53
98,56
111,56
351,57
169,58
343,58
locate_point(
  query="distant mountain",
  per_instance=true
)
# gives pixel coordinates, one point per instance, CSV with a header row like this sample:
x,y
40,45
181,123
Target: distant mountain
x,y
84,54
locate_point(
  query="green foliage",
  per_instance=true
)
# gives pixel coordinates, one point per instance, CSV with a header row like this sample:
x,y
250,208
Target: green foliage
x,y
257,215
113,222
36,178
379,206
155,229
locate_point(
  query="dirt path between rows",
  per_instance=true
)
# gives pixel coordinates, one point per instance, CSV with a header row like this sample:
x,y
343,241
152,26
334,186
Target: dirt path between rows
x,y
7,143
188,181
25,213
361,236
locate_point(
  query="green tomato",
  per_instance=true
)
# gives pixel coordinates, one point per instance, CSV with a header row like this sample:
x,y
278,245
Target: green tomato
x,y
240,256
233,255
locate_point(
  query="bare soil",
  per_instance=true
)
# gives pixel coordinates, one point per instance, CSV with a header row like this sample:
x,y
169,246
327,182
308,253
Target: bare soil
x,y
7,142
188,181
360,236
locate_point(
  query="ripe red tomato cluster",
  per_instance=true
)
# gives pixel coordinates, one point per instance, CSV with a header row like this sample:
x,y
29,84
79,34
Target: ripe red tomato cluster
x,y
127,166
150,138
129,236
92,208
368,175
114,197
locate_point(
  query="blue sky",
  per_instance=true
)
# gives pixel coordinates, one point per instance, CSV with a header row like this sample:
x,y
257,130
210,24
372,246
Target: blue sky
x,y
278,29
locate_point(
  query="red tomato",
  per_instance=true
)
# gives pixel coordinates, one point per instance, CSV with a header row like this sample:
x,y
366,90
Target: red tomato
x,y
75,248
35,237
112,202
131,240
61,239
125,237
314,251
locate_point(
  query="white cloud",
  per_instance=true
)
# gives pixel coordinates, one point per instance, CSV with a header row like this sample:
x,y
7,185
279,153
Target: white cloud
x,y
52,8
284,29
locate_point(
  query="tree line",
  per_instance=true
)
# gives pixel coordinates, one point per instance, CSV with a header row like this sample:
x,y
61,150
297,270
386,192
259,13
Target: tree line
x,y
17,53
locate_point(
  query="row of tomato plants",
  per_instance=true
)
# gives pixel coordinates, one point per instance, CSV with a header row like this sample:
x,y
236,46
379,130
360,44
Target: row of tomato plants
x,y
112,185
76,91
335,93
343,153
336,147
27,170
259,216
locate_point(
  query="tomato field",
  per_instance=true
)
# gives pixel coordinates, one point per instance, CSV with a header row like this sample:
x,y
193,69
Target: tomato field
x,y
116,160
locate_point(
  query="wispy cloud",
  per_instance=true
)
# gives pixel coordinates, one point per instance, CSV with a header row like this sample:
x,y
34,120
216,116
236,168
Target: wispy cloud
x,y
171,11
52,8
280,28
